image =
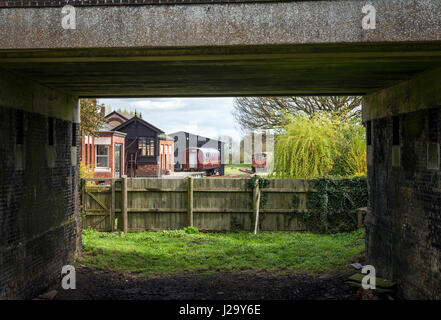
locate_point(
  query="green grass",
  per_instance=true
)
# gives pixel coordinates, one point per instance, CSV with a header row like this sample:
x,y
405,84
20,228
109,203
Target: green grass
x,y
175,252
233,169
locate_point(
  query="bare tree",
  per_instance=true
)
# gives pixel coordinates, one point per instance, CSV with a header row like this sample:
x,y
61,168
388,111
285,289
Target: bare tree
x,y
270,112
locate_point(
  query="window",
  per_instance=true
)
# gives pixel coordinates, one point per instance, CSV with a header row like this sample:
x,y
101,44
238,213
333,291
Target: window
x,y
102,156
146,146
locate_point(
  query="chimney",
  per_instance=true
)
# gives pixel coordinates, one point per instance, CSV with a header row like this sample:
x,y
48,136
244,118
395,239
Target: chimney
x,y
103,111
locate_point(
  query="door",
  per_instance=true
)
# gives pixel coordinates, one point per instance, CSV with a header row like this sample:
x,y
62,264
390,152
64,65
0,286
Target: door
x,y
117,160
193,155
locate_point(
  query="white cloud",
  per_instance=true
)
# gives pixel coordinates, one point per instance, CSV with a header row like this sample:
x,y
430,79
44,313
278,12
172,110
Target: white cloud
x,y
209,117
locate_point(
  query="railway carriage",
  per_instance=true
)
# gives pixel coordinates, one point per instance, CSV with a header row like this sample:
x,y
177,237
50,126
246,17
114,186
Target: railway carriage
x,y
202,159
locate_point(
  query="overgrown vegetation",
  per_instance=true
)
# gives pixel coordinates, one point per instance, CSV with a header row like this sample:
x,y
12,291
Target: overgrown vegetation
x,y
178,251
320,145
332,207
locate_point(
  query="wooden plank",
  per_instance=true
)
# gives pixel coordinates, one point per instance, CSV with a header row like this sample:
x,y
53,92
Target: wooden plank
x,y
102,205
112,207
190,202
83,195
97,212
153,190
93,225
154,210
124,203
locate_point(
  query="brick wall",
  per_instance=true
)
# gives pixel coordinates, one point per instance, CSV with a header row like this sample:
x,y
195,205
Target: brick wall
x,y
40,221
58,3
90,156
147,170
167,159
403,224
38,202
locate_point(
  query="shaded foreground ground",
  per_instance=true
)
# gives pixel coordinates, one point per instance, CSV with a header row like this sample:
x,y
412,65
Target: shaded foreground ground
x,y
181,264
93,284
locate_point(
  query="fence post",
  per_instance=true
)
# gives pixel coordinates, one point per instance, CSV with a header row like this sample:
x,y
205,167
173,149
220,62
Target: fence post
x,y
83,195
190,202
112,206
124,203
256,204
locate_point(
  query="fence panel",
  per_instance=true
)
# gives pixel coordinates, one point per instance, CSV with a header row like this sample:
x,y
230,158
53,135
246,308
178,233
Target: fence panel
x,y
218,204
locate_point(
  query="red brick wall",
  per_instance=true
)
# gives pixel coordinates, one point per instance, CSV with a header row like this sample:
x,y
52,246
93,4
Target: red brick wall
x,y
147,170
169,165
91,156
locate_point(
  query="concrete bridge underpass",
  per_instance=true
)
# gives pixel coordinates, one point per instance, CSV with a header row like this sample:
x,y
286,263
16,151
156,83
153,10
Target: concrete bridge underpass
x,y
219,49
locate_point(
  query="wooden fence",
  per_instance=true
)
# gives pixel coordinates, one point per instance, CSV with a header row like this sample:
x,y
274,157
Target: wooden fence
x,y
210,204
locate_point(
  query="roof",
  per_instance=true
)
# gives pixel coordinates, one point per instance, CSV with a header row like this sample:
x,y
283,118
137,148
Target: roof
x,y
123,115
165,137
105,127
196,135
142,121
108,128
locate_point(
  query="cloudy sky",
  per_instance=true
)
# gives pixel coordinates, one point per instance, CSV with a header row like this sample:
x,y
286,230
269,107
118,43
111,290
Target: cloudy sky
x,y
209,117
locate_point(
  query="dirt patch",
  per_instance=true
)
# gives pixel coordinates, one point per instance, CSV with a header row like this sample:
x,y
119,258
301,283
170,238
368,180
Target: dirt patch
x,y
94,284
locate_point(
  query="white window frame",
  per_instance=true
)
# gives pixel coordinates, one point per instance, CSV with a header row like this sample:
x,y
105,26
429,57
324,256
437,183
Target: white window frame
x,y
102,169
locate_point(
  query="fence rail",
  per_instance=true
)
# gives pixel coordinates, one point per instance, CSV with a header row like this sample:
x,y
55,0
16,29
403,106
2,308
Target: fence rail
x,y
212,204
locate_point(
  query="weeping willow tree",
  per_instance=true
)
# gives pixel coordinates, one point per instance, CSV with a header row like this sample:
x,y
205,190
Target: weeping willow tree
x,y
352,160
321,145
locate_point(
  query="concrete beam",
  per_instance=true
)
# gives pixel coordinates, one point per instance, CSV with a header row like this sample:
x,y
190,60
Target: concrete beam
x,y
305,22
277,48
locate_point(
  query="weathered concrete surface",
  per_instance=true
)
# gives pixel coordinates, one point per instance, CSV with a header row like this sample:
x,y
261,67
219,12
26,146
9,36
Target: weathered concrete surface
x,y
39,186
302,47
305,22
403,225
58,3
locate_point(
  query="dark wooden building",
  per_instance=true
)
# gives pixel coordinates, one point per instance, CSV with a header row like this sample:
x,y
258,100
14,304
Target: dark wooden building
x,y
142,148
184,140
